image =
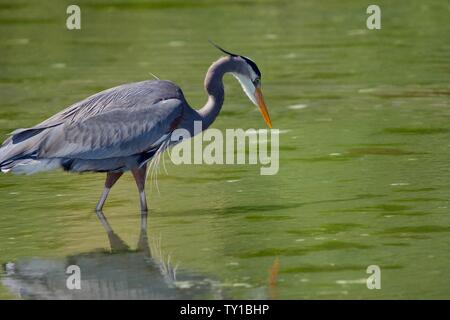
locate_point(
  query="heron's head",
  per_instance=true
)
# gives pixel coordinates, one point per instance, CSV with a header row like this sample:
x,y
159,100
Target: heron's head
x,y
247,73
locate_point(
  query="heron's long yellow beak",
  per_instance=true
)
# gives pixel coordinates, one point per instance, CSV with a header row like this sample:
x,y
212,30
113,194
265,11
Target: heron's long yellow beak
x,y
262,107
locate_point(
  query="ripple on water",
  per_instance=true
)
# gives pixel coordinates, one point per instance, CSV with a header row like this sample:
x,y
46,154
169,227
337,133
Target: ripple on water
x,y
332,267
325,246
354,153
356,281
378,151
297,106
176,44
416,130
416,229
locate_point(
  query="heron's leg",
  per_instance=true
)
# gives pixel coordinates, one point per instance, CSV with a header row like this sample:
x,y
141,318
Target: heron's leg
x,y
111,179
139,175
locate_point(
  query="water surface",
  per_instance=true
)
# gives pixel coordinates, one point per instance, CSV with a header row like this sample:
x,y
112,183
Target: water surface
x,y
364,151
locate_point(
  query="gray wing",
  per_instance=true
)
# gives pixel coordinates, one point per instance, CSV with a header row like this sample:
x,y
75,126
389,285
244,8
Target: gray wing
x,y
119,122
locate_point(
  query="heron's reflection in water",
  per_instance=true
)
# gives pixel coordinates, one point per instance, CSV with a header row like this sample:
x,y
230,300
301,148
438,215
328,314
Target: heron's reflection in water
x,y
120,274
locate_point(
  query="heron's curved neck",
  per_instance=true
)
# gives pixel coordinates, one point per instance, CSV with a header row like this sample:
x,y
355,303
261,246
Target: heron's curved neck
x,y
214,88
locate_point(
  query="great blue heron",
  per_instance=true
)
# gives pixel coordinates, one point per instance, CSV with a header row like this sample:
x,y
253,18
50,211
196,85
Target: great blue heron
x,y
122,128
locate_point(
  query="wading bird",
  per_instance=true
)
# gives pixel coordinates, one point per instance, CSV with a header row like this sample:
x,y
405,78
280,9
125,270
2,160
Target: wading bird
x,y
123,128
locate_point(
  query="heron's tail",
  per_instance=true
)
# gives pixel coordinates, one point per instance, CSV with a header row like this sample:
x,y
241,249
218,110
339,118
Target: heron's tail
x,y
18,153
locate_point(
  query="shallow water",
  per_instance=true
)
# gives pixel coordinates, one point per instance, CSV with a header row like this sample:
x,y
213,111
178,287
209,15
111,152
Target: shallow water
x,y
364,152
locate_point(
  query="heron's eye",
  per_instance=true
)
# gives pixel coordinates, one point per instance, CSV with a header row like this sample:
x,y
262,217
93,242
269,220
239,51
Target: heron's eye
x,y
257,82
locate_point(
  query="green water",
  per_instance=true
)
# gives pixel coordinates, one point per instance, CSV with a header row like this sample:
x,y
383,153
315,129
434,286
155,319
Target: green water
x,y
364,160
